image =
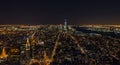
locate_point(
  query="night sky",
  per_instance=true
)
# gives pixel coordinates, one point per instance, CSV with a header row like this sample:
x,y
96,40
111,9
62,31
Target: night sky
x,y
54,12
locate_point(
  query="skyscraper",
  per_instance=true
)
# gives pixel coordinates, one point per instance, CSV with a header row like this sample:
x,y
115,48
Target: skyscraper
x,y
27,48
65,23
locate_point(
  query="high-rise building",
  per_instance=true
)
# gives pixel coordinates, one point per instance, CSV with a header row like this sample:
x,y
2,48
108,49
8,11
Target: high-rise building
x,y
65,25
27,44
27,48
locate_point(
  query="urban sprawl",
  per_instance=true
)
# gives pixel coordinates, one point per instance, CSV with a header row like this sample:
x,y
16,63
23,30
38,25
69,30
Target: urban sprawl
x,y
60,44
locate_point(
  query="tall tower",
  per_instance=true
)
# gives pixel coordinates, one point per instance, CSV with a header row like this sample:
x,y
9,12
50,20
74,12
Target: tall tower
x,y
27,48
27,44
65,25
33,41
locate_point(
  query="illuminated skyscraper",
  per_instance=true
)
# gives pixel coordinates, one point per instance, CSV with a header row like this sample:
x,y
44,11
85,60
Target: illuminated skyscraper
x,y
27,49
65,25
27,44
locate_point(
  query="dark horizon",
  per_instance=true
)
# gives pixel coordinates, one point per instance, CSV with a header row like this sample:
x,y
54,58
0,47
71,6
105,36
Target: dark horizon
x,y
54,12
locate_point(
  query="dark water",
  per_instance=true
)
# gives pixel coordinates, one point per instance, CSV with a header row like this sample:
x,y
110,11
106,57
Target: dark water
x,y
112,34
